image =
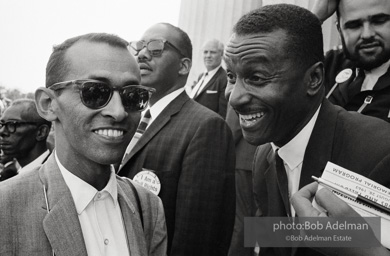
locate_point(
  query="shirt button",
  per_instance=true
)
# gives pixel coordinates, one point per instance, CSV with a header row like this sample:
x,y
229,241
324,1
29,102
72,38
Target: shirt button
x,y
106,241
99,195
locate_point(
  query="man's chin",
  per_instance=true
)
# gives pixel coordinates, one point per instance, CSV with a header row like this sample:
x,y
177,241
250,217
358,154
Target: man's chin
x,y
371,62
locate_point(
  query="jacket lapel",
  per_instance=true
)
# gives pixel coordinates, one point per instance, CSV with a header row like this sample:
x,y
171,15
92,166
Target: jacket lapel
x,y
320,147
61,224
132,222
280,206
162,119
211,82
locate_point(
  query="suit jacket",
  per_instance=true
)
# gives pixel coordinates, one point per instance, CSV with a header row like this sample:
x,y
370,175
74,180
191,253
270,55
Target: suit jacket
x,y
28,229
191,150
245,205
213,94
335,62
356,142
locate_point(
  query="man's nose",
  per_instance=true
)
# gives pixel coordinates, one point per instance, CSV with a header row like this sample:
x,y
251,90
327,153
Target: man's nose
x,y
115,108
368,30
239,95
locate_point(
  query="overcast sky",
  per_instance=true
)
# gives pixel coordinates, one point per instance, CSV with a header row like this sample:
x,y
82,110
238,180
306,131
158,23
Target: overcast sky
x,y
29,29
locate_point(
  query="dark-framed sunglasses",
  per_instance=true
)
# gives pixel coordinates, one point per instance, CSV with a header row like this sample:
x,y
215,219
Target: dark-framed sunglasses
x,y
96,94
155,47
12,125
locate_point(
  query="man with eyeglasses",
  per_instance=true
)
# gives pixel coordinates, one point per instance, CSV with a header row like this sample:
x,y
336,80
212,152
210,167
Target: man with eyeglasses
x,y
23,134
75,204
186,149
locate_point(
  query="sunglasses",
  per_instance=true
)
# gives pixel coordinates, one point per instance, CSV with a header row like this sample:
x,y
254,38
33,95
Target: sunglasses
x,y
155,47
96,94
12,125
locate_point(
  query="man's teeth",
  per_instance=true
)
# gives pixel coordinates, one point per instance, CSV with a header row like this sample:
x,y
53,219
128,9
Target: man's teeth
x,y
109,132
251,116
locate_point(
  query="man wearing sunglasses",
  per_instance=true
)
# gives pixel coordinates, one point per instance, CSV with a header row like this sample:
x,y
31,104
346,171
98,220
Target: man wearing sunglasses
x,y
23,134
75,204
187,148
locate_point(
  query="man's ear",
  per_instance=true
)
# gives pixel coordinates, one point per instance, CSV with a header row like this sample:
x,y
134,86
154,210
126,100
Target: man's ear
x,y
46,103
314,78
185,66
43,132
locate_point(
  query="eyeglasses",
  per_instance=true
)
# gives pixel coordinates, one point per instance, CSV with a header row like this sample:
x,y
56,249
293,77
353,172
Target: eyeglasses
x,y
96,94
11,125
155,47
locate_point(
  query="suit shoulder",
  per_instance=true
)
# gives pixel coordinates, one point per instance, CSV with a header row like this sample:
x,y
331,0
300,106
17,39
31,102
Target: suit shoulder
x,y
143,193
198,111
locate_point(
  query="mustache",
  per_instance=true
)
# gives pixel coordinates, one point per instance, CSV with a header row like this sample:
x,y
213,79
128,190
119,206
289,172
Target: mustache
x,y
369,42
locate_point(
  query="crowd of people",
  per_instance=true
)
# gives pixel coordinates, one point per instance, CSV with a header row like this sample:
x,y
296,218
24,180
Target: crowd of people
x,y
115,157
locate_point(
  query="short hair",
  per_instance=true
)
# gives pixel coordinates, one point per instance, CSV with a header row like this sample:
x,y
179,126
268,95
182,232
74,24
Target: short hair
x,y
185,41
220,45
58,67
30,112
303,29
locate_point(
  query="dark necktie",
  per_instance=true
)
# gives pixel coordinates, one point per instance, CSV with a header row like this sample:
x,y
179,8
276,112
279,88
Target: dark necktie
x,y
356,85
282,182
140,130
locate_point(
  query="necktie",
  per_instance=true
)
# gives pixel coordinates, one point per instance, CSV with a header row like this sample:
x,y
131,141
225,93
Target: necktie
x,y
356,86
282,182
140,130
198,87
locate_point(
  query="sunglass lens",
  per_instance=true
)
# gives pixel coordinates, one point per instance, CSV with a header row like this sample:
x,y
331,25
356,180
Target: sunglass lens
x,y
156,47
95,95
134,98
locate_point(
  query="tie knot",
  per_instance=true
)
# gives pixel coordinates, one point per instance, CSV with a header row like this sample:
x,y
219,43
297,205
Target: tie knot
x,y
147,114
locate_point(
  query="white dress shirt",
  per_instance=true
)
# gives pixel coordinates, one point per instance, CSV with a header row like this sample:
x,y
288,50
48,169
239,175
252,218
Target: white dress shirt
x,y
203,81
292,155
37,162
373,75
160,105
99,214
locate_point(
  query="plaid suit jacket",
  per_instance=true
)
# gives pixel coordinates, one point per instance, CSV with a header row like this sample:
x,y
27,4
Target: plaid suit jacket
x,y
27,229
191,150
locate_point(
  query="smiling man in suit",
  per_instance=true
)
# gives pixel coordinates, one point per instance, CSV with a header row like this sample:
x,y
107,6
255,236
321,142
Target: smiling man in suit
x,y
210,87
275,65
186,148
75,205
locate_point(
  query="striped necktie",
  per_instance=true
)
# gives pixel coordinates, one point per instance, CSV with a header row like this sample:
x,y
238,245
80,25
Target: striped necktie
x,y
140,130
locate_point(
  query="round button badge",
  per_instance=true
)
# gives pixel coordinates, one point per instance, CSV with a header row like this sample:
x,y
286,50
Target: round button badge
x,y
148,180
344,75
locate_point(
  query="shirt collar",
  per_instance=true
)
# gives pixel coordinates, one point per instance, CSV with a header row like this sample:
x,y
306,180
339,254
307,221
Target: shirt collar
x,y
37,162
82,192
213,71
159,106
294,151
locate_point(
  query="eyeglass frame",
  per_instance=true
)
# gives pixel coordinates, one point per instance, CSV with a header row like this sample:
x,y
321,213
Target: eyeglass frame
x,y
16,124
79,82
164,41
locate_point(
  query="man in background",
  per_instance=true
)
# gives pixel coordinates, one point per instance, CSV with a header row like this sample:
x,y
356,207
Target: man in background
x,y
23,134
186,151
364,59
210,87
